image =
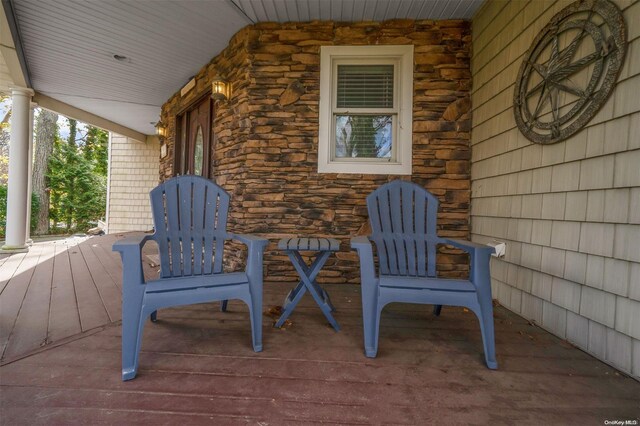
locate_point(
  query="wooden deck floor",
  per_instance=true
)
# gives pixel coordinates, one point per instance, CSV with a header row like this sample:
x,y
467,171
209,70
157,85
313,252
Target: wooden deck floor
x,y
59,289
197,366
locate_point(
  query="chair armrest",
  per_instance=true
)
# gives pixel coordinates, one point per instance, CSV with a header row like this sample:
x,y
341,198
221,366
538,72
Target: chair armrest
x,y
363,246
468,246
360,242
131,243
250,240
130,249
255,247
480,256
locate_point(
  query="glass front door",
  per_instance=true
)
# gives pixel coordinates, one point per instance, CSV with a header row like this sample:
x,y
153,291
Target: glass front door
x,y
195,135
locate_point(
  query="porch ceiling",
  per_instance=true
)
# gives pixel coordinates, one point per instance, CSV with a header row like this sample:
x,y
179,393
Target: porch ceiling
x,y
69,45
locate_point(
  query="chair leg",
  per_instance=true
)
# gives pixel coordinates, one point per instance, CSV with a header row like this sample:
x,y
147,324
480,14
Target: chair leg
x,y
370,318
256,328
154,316
437,309
486,327
223,306
255,311
132,327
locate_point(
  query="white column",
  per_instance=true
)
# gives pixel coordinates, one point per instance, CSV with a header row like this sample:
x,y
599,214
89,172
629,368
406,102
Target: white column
x,y
18,170
28,240
109,164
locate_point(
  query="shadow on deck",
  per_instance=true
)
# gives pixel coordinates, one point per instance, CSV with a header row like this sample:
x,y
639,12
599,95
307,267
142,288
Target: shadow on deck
x,y
197,367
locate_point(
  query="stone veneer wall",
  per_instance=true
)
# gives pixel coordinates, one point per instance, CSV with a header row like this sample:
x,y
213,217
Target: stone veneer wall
x,y
266,146
570,211
133,172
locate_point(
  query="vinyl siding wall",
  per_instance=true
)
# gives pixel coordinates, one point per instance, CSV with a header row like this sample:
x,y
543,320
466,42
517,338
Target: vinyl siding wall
x,y
570,211
133,172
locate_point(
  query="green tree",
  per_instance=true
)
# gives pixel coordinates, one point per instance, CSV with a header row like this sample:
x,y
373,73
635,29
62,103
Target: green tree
x,y
77,176
71,159
35,206
95,149
5,115
61,176
46,132
92,189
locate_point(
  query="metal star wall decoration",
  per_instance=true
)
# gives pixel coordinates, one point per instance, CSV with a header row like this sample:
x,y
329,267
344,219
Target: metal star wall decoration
x,y
569,71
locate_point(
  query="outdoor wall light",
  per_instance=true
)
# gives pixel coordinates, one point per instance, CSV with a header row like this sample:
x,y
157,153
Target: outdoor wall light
x,y
220,90
161,130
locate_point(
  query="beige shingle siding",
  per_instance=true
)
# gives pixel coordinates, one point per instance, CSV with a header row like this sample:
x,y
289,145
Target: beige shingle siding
x,y
570,211
133,173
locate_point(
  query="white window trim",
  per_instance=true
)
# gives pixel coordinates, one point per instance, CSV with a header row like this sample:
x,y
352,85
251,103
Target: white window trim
x,y
404,131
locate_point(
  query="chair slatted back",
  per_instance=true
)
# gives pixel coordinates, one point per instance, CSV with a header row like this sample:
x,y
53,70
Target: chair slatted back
x,y
403,222
190,218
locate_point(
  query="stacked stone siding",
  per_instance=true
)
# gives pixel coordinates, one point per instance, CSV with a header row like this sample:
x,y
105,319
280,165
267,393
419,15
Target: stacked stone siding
x,y
133,173
266,146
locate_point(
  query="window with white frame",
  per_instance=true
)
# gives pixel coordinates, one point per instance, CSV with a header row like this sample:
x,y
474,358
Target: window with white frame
x,y
366,101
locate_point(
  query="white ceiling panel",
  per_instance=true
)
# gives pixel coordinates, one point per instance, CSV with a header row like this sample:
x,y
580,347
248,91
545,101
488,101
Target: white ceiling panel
x,y
356,10
118,112
69,47
5,76
69,44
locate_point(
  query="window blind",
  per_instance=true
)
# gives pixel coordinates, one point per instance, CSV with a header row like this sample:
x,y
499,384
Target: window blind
x,y
365,86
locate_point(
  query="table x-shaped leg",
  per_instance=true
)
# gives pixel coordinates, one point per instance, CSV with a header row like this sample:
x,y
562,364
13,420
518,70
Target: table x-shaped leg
x,y
308,282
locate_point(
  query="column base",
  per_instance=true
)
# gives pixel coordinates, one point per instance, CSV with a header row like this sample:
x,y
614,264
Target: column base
x,y
14,249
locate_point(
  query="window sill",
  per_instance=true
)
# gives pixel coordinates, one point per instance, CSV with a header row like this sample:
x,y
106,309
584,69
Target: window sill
x,y
364,168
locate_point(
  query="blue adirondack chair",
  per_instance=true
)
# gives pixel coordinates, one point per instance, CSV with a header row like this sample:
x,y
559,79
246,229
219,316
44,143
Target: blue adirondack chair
x,y
403,223
190,218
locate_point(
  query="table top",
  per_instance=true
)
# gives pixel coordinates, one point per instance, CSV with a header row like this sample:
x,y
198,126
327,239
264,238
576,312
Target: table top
x,y
309,244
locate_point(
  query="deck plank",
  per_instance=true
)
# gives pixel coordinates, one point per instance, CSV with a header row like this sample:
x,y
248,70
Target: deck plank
x,y
309,400
90,305
64,319
13,295
115,416
101,247
110,293
31,326
345,364
9,267
3,258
